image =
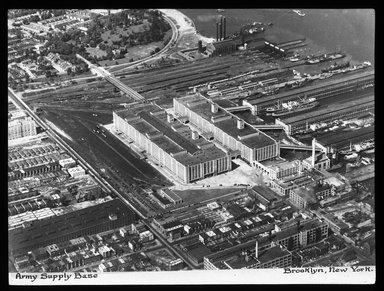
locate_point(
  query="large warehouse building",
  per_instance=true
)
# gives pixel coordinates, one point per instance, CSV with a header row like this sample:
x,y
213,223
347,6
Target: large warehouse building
x,y
214,122
87,221
182,151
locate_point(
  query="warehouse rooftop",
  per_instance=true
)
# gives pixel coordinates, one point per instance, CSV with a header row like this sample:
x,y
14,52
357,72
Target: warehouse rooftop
x,y
46,230
173,137
227,122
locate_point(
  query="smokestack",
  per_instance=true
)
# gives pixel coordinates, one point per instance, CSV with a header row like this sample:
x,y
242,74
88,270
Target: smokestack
x,y
224,27
313,152
257,250
220,30
200,45
217,31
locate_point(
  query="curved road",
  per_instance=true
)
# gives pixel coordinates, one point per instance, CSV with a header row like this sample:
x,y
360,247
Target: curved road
x,y
174,38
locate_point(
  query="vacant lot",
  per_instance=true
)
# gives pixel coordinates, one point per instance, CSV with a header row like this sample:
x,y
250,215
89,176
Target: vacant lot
x,y
242,173
96,52
198,195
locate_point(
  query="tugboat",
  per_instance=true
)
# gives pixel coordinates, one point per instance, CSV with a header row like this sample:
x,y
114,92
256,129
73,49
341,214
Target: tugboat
x,y
252,28
298,12
292,107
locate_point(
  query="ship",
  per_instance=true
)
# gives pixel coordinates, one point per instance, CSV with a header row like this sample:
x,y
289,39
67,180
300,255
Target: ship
x,y
220,10
335,66
322,58
252,28
298,12
292,107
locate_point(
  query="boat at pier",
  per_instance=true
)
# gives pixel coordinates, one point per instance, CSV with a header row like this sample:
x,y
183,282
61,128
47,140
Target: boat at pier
x,y
290,107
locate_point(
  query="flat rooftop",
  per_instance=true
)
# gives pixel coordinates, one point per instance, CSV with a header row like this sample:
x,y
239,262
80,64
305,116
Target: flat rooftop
x,y
290,181
330,109
42,231
227,122
174,138
295,229
306,194
345,137
266,192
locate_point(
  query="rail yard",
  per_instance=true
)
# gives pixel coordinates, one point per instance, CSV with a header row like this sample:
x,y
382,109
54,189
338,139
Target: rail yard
x,y
165,136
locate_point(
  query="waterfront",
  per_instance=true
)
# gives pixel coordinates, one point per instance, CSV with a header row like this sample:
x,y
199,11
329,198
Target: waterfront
x,y
352,29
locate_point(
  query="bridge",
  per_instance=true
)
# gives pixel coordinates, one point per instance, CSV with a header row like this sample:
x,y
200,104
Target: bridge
x,y
269,127
298,147
113,80
237,108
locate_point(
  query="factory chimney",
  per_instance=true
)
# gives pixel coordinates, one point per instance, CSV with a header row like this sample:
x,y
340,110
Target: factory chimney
x,y
257,250
313,152
200,46
217,31
220,30
224,26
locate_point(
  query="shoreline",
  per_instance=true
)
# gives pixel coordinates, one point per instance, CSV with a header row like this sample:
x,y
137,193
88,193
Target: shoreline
x,y
185,25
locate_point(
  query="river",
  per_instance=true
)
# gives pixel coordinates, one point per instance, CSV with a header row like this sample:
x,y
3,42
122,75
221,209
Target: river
x,y
351,29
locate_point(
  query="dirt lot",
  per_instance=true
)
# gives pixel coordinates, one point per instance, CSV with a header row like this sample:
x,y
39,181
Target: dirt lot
x,y
195,196
242,174
96,52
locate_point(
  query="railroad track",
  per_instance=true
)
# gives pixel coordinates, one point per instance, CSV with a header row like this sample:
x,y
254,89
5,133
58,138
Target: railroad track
x,y
104,184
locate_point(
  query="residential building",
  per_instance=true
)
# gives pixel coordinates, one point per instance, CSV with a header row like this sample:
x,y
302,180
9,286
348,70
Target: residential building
x,y
21,127
303,197
76,172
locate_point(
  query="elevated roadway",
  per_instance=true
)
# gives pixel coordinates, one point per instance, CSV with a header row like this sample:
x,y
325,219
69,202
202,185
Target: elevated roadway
x,y
298,147
269,127
100,71
104,184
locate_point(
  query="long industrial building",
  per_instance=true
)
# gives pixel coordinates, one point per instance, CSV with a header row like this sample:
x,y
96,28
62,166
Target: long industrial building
x,y
323,89
182,151
91,220
216,123
350,109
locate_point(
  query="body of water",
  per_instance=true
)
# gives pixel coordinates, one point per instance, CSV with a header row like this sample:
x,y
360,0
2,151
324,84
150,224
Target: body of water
x,y
351,29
